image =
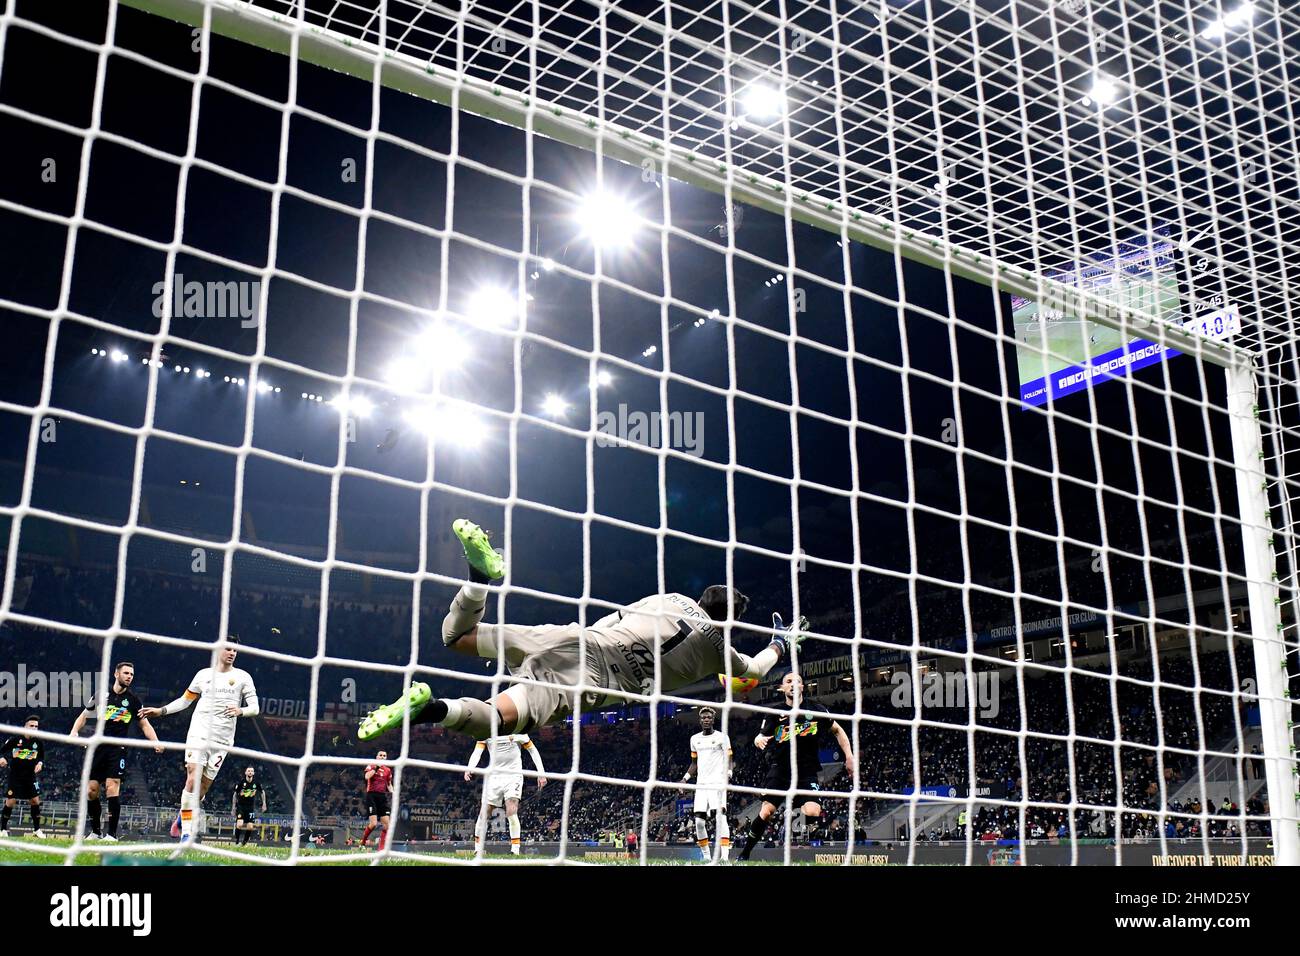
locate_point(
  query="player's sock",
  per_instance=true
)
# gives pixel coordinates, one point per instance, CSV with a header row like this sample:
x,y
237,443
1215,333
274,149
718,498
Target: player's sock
x,y
114,813
467,715
36,817
756,831
188,813
365,834
383,839
480,828
724,835
514,833
92,811
241,837
702,836
466,611
5,814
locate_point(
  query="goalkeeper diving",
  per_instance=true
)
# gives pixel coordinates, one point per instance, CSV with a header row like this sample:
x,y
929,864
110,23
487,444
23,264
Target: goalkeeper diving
x,y
612,658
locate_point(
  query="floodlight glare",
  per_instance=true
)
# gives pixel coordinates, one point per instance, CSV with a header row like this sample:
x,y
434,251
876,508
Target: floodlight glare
x,y
447,424
554,405
1105,90
118,355
763,102
443,347
604,378
493,308
406,374
609,221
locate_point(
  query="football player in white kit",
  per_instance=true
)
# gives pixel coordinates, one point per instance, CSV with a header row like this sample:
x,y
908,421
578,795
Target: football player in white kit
x,y
712,767
225,693
505,782
658,644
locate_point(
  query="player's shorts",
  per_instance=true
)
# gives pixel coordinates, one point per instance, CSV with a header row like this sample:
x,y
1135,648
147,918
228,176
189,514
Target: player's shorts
x,y
246,815
501,787
109,763
557,662
22,787
377,804
209,758
706,801
778,782
521,641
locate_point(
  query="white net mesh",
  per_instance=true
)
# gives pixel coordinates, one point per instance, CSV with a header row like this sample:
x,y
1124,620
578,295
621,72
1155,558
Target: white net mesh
x,y
873,312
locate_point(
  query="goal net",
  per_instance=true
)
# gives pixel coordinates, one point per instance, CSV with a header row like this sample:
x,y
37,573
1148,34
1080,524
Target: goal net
x,y
961,328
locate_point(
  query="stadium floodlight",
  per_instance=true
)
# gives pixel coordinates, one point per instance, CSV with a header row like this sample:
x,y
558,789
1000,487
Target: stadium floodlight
x,y
608,219
94,351
357,405
406,374
603,377
548,265
198,373
554,405
443,348
763,101
649,351
446,423
493,307
118,355
1237,17
1104,92
264,387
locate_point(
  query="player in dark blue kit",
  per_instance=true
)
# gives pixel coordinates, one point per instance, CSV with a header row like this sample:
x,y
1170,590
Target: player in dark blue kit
x,y
243,805
807,728
121,711
24,756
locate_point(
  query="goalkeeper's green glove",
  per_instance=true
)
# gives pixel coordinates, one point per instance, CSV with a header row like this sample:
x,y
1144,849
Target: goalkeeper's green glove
x,y
784,637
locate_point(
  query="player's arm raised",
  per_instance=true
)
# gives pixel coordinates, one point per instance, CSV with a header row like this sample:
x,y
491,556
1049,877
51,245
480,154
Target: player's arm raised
x,y
537,760
783,639
474,758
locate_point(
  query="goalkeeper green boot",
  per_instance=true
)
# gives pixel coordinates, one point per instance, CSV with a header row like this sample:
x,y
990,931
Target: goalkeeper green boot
x,y
390,715
482,559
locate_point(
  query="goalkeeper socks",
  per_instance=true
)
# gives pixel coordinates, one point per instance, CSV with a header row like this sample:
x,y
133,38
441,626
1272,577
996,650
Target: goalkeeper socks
x,y
92,811
466,611
756,831
467,715
114,812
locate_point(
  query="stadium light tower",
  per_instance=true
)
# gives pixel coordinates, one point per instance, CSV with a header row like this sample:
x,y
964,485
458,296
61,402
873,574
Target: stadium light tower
x,y
443,423
443,348
406,374
554,405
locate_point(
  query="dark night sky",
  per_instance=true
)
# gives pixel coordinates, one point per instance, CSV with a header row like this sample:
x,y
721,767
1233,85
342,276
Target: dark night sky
x,y
88,471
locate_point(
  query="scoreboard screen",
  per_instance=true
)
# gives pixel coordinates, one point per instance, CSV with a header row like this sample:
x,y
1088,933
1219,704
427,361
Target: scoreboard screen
x,y
1058,353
